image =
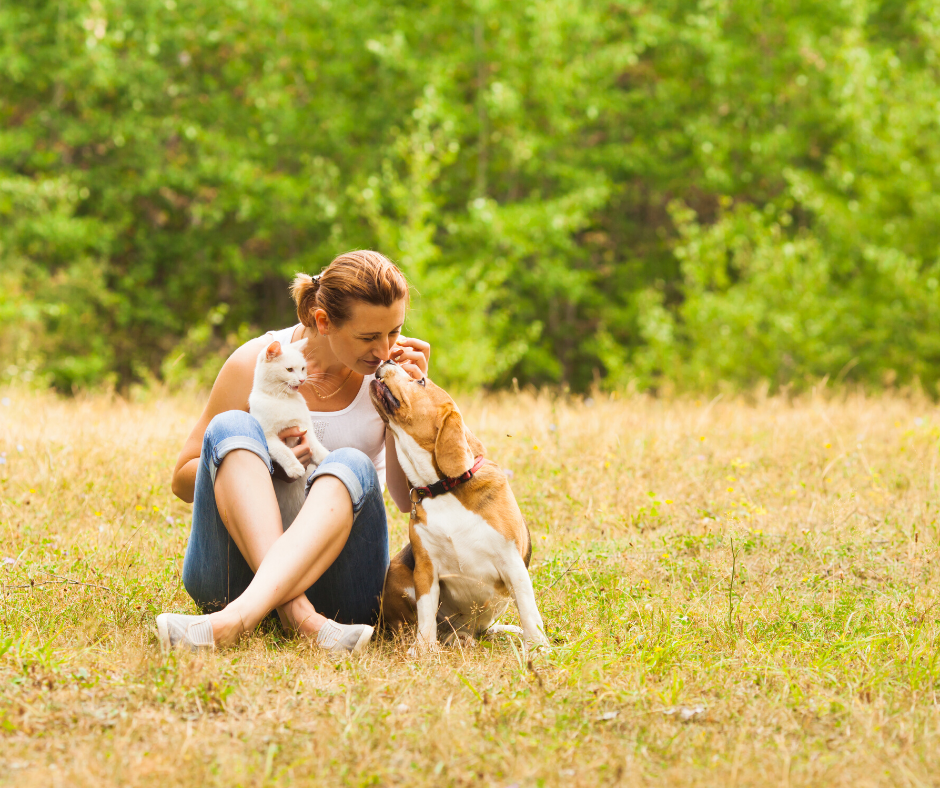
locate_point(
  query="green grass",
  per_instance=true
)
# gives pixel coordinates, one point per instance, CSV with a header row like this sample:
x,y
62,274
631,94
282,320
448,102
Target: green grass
x,y
756,608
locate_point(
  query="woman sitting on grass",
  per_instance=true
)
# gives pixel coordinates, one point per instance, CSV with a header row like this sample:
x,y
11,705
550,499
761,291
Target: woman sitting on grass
x,y
324,574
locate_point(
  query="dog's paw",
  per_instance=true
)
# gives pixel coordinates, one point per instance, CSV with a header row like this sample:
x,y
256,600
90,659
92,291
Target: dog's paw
x,y
538,647
422,648
504,629
536,642
461,639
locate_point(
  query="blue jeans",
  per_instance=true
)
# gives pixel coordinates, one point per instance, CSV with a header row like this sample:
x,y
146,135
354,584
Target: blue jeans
x,y
214,571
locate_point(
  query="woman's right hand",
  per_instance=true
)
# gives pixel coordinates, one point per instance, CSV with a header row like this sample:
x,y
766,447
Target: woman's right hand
x,y
301,451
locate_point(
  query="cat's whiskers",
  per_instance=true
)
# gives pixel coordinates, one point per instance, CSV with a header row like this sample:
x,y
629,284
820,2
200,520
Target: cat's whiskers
x,y
322,379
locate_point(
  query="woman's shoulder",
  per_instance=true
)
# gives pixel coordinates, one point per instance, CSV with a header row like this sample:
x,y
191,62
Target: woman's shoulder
x,y
247,354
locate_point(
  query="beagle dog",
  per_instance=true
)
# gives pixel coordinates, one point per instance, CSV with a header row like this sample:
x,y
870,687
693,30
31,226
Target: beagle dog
x,y
469,547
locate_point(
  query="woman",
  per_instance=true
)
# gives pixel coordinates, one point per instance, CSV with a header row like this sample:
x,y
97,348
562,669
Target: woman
x,y
323,574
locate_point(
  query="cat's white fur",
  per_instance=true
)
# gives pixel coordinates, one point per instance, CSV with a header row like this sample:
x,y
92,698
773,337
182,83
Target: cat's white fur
x,y
276,402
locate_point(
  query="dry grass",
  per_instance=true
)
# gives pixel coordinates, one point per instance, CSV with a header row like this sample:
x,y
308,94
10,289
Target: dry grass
x,y
817,665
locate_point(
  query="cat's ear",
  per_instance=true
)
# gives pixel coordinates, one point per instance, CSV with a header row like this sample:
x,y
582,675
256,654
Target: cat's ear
x,y
300,344
273,351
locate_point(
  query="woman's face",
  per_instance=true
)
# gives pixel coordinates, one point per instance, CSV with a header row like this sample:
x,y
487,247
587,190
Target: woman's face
x,y
366,339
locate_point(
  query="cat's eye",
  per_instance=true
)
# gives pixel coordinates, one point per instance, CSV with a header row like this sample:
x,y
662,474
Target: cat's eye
x,y
290,369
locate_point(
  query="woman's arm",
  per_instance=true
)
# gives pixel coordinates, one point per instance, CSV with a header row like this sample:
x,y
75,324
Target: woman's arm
x,y
398,485
413,355
229,392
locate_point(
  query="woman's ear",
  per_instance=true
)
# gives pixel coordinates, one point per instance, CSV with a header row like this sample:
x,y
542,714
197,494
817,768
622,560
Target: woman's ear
x,y
451,450
323,321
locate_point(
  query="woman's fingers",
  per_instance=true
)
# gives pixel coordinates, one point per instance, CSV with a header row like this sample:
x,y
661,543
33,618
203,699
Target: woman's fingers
x,y
418,351
414,363
413,369
302,450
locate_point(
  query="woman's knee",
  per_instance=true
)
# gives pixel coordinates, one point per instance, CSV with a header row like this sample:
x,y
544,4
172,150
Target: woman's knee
x,y
355,470
358,462
231,430
233,423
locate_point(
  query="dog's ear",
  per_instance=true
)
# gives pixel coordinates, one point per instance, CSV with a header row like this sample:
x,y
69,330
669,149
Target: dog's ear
x,y
451,450
273,350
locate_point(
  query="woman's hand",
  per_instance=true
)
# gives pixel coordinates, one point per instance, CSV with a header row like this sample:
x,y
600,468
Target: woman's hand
x,y
412,355
301,451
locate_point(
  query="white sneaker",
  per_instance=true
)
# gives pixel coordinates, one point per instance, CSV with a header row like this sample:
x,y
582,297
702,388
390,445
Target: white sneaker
x,y
344,638
178,631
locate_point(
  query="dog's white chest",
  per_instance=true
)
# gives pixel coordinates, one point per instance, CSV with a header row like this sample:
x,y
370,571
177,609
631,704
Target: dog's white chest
x,y
469,556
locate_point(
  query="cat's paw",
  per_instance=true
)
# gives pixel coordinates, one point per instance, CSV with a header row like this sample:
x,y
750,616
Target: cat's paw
x,y
295,471
318,453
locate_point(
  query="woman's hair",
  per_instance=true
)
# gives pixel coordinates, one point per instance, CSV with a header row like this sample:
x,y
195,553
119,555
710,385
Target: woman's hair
x,y
355,276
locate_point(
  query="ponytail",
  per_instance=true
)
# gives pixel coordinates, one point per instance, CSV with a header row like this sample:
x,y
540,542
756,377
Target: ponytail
x,y
304,292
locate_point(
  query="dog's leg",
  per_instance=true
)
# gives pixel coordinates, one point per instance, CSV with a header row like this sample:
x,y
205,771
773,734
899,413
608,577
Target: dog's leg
x,y
427,596
398,597
521,585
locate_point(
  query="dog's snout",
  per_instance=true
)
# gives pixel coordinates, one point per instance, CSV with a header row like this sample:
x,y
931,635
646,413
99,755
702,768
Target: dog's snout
x,y
382,368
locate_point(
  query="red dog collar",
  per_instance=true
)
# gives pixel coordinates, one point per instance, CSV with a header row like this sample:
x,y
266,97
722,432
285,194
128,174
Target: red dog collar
x,y
446,484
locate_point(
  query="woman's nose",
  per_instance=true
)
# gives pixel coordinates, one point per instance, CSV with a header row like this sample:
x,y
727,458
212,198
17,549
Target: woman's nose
x,y
384,350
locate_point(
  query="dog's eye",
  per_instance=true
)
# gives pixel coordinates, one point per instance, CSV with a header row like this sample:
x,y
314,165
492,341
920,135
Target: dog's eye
x,y
420,382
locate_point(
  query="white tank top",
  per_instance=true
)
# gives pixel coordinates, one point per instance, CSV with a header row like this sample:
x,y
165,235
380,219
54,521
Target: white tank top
x,y
357,425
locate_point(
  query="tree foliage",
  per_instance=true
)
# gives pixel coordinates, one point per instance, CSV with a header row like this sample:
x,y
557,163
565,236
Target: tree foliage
x,y
688,192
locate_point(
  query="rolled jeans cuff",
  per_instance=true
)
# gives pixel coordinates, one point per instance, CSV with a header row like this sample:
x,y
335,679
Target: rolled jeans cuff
x,y
238,442
347,476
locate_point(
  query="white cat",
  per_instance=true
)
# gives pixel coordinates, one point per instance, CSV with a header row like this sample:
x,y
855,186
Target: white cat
x,y
276,402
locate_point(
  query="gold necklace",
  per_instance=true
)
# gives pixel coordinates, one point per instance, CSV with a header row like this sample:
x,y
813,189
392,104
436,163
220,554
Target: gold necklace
x,y
341,385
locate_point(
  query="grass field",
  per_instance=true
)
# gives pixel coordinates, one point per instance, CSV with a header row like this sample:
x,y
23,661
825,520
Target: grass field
x,y
739,593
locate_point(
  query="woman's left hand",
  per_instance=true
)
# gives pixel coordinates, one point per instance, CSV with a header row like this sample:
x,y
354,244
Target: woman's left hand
x,y
412,355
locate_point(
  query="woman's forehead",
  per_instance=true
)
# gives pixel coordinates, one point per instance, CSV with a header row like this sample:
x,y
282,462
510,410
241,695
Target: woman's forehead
x,y
368,318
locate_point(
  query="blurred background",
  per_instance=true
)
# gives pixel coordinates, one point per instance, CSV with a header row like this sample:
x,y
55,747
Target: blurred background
x,y
670,195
